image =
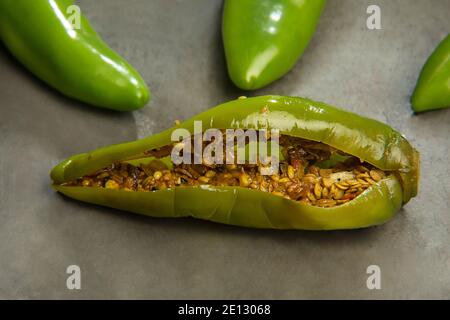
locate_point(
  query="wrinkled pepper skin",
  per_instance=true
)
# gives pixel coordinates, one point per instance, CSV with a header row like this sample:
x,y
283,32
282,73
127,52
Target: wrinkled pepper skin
x,y
264,39
433,87
367,139
74,61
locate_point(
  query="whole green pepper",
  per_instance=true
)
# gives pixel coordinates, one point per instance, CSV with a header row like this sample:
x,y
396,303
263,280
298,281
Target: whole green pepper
x,y
73,60
264,39
433,87
369,140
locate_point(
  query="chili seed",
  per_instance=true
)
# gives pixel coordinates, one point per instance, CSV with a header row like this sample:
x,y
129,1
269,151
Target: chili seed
x,y
112,184
320,187
291,172
157,175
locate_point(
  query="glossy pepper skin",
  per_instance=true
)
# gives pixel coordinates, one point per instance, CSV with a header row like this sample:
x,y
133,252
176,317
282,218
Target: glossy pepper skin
x,y
76,62
433,87
367,139
264,39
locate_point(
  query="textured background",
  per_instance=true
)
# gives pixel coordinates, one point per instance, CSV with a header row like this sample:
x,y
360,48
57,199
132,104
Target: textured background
x,y
177,47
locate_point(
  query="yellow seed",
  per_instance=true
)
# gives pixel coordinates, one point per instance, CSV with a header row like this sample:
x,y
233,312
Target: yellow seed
x,y
309,179
341,186
311,197
327,182
325,192
370,181
291,172
157,175
253,185
362,175
375,175
242,97
344,184
326,203
305,202
333,189
86,183
325,172
210,174
275,177
278,193
352,182
177,122
318,191
284,180
244,180
203,179
361,181
338,194
111,184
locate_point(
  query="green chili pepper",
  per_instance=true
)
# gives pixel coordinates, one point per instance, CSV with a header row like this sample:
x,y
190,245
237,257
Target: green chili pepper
x,y
75,61
264,39
369,140
433,87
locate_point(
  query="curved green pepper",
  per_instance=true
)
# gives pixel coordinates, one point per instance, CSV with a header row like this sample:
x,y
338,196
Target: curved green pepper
x,y
73,60
433,87
264,39
367,139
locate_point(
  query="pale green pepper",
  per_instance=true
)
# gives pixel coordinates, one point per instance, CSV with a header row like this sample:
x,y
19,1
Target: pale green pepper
x,y
369,140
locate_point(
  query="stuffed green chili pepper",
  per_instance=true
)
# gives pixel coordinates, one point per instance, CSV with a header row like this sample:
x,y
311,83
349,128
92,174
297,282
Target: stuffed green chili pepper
x,y
336,170
54,41
433,87
264,39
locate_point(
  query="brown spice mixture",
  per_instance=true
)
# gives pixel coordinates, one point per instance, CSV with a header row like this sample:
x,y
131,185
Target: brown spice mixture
x,y
299,178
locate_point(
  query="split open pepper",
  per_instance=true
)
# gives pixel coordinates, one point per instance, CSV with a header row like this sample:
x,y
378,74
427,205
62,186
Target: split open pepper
x,y
264,39
73,59
369,141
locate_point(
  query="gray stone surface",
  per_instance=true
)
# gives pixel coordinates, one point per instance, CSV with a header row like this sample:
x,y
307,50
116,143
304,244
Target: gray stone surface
x,y
177,47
